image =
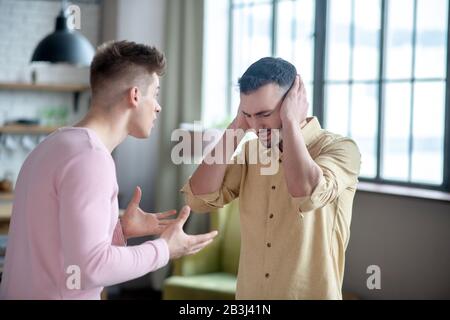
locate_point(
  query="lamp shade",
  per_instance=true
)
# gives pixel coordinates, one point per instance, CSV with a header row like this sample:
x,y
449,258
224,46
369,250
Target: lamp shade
x,y
64,45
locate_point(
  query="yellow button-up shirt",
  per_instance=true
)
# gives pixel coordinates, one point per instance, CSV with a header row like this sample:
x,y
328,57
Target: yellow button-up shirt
x,y
291,248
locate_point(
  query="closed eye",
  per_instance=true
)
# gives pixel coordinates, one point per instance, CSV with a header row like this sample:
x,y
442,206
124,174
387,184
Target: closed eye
x,y
266,115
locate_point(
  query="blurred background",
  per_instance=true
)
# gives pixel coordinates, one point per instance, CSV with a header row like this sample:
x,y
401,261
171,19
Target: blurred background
x,y
376,70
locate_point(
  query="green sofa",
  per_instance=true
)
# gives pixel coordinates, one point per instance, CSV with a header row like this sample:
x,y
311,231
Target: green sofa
x,y
211,273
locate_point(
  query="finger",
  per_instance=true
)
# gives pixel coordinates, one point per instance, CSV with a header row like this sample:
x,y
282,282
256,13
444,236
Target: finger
x,y
184,215
301,85
302,88
199,247
197,239
166,214
137,195
167,222
194,252
296,85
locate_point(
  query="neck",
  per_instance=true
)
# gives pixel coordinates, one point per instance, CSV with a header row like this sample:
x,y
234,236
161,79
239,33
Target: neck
x,y
108,124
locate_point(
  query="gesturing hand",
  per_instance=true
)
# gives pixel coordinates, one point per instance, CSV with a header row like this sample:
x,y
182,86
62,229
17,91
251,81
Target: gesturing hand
x,y
137,223
180,243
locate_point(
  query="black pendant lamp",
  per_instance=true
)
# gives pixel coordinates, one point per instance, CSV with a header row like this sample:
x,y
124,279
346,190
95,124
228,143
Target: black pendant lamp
x,y
64,45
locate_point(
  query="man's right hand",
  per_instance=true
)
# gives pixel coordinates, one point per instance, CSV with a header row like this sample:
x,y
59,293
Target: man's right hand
x,y
181,244
239,122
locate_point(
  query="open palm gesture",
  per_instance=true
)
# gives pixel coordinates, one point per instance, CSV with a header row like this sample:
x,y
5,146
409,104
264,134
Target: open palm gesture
x,y
137,223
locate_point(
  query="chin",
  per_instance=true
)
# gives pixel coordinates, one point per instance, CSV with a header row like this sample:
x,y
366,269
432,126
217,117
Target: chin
x,y
141,134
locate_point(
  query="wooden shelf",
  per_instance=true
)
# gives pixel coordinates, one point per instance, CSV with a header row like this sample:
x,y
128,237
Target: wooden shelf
x,y
6,196
23,129
44,87
5,211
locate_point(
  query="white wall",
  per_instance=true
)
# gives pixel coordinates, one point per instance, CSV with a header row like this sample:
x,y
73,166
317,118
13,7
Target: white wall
x,y
142,21
409,239
136,160
22,25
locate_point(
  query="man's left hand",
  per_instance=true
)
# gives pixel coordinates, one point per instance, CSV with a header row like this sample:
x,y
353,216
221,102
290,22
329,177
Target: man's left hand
x,y
138,223
295,105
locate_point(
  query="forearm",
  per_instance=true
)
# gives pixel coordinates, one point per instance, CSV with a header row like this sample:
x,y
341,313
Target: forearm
x,y
209,177
109,265
301,172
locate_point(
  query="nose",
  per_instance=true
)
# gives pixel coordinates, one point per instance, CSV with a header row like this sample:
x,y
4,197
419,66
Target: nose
x,y
158,108
253,123
257,124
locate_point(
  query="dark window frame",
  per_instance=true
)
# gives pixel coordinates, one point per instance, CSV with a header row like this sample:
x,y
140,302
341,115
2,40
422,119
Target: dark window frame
x,y
319,81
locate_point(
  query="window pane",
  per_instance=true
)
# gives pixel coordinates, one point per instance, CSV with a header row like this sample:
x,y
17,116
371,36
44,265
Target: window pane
x,y
309,95
367,32
235,99
364,107
337,108
395,164
251,40
399,35
215,86
249,2
295,35
428,130
338,39
431,38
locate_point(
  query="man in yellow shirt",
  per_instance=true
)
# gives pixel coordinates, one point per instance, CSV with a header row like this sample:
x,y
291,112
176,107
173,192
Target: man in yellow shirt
x,y
295,222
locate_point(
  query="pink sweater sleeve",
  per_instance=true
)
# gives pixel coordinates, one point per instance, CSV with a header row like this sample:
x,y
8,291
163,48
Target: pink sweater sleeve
x,y
85,191
118,237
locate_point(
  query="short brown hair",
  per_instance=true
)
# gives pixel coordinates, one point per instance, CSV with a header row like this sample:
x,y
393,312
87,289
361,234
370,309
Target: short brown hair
x,y
117,59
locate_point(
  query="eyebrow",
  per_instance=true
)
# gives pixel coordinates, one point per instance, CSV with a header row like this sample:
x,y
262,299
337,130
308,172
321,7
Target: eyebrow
x,y
260,113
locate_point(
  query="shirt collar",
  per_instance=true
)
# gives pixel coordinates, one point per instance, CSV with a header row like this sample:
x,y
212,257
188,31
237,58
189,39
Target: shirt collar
x,y
311,130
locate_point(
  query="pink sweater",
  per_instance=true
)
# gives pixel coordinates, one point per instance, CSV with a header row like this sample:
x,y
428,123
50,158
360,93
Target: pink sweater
x,y
65,220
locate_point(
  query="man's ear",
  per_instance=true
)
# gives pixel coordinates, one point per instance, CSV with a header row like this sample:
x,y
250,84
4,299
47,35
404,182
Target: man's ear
x,y
134,94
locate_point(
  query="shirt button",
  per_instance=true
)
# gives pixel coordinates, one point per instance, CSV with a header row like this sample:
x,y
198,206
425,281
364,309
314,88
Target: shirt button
x,y
279,160
267,275
273,187
271,216
269,245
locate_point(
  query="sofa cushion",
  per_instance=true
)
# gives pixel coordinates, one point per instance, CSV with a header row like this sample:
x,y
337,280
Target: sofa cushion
x,y
212,286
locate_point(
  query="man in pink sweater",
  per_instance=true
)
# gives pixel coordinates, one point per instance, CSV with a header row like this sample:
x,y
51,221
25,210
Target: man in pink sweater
x,y
65,239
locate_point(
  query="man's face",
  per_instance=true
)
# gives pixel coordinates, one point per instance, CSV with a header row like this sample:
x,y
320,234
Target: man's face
x,y
261,110
147,110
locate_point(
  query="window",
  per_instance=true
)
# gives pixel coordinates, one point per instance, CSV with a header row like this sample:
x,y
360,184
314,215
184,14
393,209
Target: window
x,y
377,70
385,85
254,29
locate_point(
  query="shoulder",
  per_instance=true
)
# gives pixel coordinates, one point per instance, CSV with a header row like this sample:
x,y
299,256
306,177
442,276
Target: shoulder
x,y
332,143
79,151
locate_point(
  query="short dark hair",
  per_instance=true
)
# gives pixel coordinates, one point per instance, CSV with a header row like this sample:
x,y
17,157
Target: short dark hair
x,y
265,71
118,59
